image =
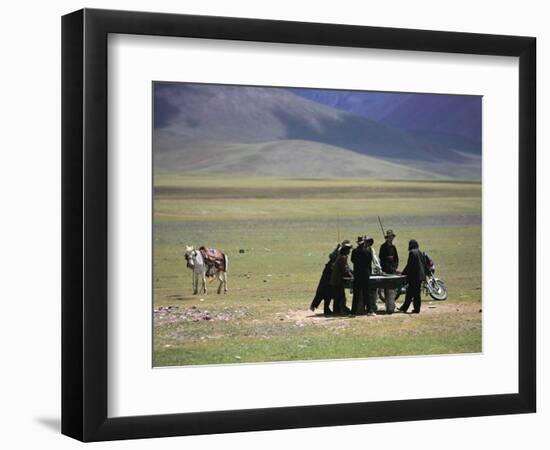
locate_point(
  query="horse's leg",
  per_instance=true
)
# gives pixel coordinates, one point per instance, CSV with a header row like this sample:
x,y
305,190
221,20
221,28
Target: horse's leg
x,y
220,279
224,274
226,271
204,281
195,282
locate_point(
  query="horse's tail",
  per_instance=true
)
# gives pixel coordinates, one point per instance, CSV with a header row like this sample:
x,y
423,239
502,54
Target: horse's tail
x,y
225,262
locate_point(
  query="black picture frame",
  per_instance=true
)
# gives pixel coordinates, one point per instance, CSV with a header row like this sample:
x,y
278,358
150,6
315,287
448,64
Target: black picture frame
x,y
84,224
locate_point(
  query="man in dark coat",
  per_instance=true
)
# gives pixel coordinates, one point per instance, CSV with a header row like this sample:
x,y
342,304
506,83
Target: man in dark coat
x,y
361,258
389,260
415,275
340,271
324,291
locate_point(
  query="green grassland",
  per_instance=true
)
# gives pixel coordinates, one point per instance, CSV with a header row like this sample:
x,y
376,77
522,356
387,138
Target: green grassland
x,y
277,234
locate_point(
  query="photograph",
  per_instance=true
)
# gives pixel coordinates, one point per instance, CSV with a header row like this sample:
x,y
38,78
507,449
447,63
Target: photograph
x,y
299,224
275,225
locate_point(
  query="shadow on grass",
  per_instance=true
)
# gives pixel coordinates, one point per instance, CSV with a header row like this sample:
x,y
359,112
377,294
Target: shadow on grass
x,y
353,316
331,316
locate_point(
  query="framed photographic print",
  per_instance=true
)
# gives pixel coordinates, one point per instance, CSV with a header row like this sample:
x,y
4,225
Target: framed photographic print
x,y
273,224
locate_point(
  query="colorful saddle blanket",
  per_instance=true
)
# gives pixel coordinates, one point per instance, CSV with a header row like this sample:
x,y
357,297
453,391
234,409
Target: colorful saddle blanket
x,y
213,258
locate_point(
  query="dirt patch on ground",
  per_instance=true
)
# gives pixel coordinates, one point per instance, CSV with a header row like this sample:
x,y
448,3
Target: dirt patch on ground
x,y
164,315
307,317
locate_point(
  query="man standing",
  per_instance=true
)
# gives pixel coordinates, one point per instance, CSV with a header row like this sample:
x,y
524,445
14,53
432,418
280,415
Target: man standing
x,y
389,260
415,275
324,291
376,269
361,258
340,271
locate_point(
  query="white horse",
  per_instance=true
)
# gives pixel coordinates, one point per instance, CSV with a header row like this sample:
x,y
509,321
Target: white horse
x,y
195,262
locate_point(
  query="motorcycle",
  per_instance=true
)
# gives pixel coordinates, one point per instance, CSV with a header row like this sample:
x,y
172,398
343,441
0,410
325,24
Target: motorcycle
x,y
435,287
432,286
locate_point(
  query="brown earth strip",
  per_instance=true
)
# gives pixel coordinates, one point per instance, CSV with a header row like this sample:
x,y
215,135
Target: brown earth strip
x,y
184,192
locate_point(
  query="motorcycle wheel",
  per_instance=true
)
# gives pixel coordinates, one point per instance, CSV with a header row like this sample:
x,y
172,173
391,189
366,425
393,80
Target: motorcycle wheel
x,y
437,289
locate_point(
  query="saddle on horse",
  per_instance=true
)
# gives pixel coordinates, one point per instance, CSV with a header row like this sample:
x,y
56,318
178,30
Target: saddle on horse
x,y
214,259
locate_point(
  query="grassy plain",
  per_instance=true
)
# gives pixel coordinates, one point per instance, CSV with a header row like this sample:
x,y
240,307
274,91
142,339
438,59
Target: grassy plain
x,y
286,228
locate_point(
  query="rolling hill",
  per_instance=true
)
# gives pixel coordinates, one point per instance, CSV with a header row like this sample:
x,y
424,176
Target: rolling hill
x,y
283,158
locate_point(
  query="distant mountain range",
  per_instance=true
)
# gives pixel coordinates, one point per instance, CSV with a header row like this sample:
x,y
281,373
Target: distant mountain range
x,y
458,115
295,132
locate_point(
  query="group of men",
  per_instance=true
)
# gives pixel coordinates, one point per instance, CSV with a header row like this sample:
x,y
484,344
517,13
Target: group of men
x,y
337,274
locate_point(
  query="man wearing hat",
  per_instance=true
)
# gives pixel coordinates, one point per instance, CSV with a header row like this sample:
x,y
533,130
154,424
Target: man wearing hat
x,y
389,260
324,291
340,272
376,269
361,258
